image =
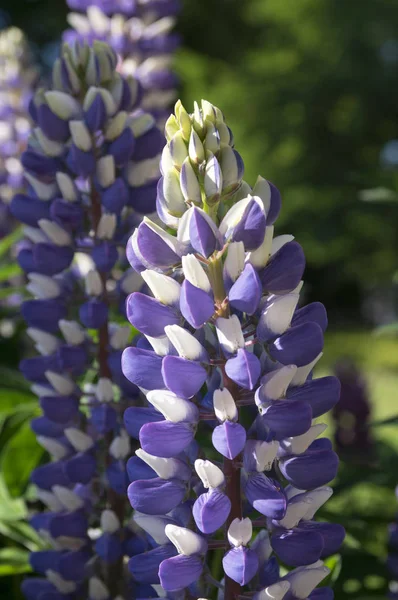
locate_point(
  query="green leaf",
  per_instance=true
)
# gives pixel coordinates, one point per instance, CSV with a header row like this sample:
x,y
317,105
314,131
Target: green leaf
x,y
9,271
12,401
11,379
7,242
20,456
11,509
391,329
23,534
381,422
13,561
379,194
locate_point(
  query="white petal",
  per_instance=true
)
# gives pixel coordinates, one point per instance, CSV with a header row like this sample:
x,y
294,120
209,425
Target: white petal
x,y
262,546
291,491
56,449
162,345
275,591
79,440
44,191
302,372
67,498
229,333
115,126
209,473
106,170
119,338
259,257
304,580
97,590
93,284
300,443
295,511
109,521
262,189
43,286
195,146
166,468
194,272
154,525
178,149
224,405
280,241
164,288
55,233
67,187
72,332
184,342
104,390
240,532
45,342
276,382
279,312
61,383
62,585
80,135
63,105
186,541
318,496
50,500
131,282
265,454
120,446
235,261
172,407
140,173
50,147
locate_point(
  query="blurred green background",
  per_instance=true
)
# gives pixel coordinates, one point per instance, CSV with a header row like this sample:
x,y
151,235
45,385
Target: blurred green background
x,y
310,91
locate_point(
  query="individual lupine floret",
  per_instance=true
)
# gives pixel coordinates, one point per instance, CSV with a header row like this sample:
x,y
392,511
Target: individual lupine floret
x,y
227,350
142,34
83,197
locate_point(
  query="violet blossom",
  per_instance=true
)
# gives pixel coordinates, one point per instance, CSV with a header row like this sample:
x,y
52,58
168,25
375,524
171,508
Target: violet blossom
x,y
226,353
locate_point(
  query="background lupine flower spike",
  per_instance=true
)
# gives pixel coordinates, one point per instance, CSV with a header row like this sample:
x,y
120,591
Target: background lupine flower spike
x,y
87,187
226,353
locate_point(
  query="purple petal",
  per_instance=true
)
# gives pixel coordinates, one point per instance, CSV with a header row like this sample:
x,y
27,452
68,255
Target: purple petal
x,y
240,564
105,256
285,270
109,547
245,293
183,377
314,312
137,416
229,439
116,476
322,593
287,418
275,204
46,259
95,116
60,409
43,314
297,548
266,496
72,565
311,469
269,572
251,227
103,418
196,305
156,496
298,345
44,560
179,572
46,427
145,567
36,588
143,367
46,476
93,314
115,197
138,469
166,439
202,236
154,249
244,369
332,534
72,524
321,394
81,467
29,210
149,315
143,198
122,147
211,510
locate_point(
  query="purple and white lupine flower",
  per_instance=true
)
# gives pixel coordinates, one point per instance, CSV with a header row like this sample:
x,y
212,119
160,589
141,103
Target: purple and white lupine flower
x,y
91,172
227,352
141,32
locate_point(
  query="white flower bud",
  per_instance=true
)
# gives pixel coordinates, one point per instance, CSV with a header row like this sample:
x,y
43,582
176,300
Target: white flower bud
x,y
109,521
79,440
93,284
210,474
195,148
194,272
141,123
280,241
67,187
80,135
53,447
45,342
185,343
166,161
224,405
106,170
230,167
198,119
44,191
229,333
189,183
55,233
300,443
172,407
302,372
178,149
72,332
213,180
61,383
61,104
104,390
212,140
97,590
43,286
67,498
164,288
166,468
304,580
259,258
186,541
120,446
240,532
235,260
106,226
115,126
172,193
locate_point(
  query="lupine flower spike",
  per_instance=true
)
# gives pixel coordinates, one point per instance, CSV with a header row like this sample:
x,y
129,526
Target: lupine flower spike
x,y
226,352
141,32
91,171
